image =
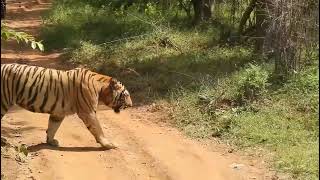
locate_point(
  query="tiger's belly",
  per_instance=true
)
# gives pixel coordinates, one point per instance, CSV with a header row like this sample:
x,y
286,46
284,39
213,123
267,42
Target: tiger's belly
x,y
57,111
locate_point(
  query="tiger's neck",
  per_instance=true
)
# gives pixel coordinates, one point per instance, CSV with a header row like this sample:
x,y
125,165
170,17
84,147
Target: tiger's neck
x,y
101,84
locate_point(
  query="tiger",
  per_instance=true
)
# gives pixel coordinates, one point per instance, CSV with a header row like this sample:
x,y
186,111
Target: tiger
x,y
61,93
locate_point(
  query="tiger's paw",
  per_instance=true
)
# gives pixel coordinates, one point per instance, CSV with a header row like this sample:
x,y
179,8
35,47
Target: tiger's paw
x,y
107,145
53,142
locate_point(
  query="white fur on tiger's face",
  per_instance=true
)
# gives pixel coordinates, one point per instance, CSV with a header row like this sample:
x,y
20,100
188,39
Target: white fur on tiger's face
x,y
121,96
61,93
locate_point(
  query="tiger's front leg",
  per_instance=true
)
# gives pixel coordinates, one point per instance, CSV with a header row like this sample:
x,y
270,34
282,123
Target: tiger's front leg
x,y
93,125
54,124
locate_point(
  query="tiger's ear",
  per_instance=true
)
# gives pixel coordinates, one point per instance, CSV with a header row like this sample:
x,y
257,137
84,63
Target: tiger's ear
x,y
113,81
114,84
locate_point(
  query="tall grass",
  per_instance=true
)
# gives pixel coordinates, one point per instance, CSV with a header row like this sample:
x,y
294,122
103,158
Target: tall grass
x,y
67,24
283,121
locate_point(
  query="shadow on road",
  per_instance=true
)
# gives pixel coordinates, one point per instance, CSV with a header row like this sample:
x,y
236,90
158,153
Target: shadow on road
x,y
35,148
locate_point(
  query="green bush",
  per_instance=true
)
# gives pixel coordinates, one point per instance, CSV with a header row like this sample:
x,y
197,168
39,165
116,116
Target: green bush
x,y
87,53
283,121
252,82
305,81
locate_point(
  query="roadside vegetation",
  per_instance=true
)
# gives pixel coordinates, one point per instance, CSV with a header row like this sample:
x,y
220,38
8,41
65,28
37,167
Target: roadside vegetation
x,y
217,77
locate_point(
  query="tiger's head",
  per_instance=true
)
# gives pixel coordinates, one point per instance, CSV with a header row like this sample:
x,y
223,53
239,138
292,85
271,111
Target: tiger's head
x,y
117,96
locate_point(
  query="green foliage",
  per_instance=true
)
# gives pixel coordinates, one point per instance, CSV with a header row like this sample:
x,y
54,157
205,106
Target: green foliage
x,y
252,82
86,53
305,81
151,10
162,69
81,22
9,34
281,130
196,114
284,121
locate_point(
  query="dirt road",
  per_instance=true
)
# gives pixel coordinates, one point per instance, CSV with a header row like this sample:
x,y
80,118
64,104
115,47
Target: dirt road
x,y
147,149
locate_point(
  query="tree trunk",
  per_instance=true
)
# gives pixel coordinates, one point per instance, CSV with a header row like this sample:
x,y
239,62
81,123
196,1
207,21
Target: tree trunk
x,y
165,5
246,15
197,11
207,14
261,25
202,10
186,7
3,9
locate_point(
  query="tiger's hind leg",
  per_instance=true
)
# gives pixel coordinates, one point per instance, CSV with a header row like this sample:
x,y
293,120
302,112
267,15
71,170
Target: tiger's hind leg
x,y
93,125
54,124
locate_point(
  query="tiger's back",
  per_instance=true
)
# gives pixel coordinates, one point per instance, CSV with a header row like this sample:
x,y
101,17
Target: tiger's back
x,y
39,89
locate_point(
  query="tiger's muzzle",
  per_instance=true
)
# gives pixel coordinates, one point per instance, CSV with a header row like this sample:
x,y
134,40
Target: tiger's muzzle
x,y
117,109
